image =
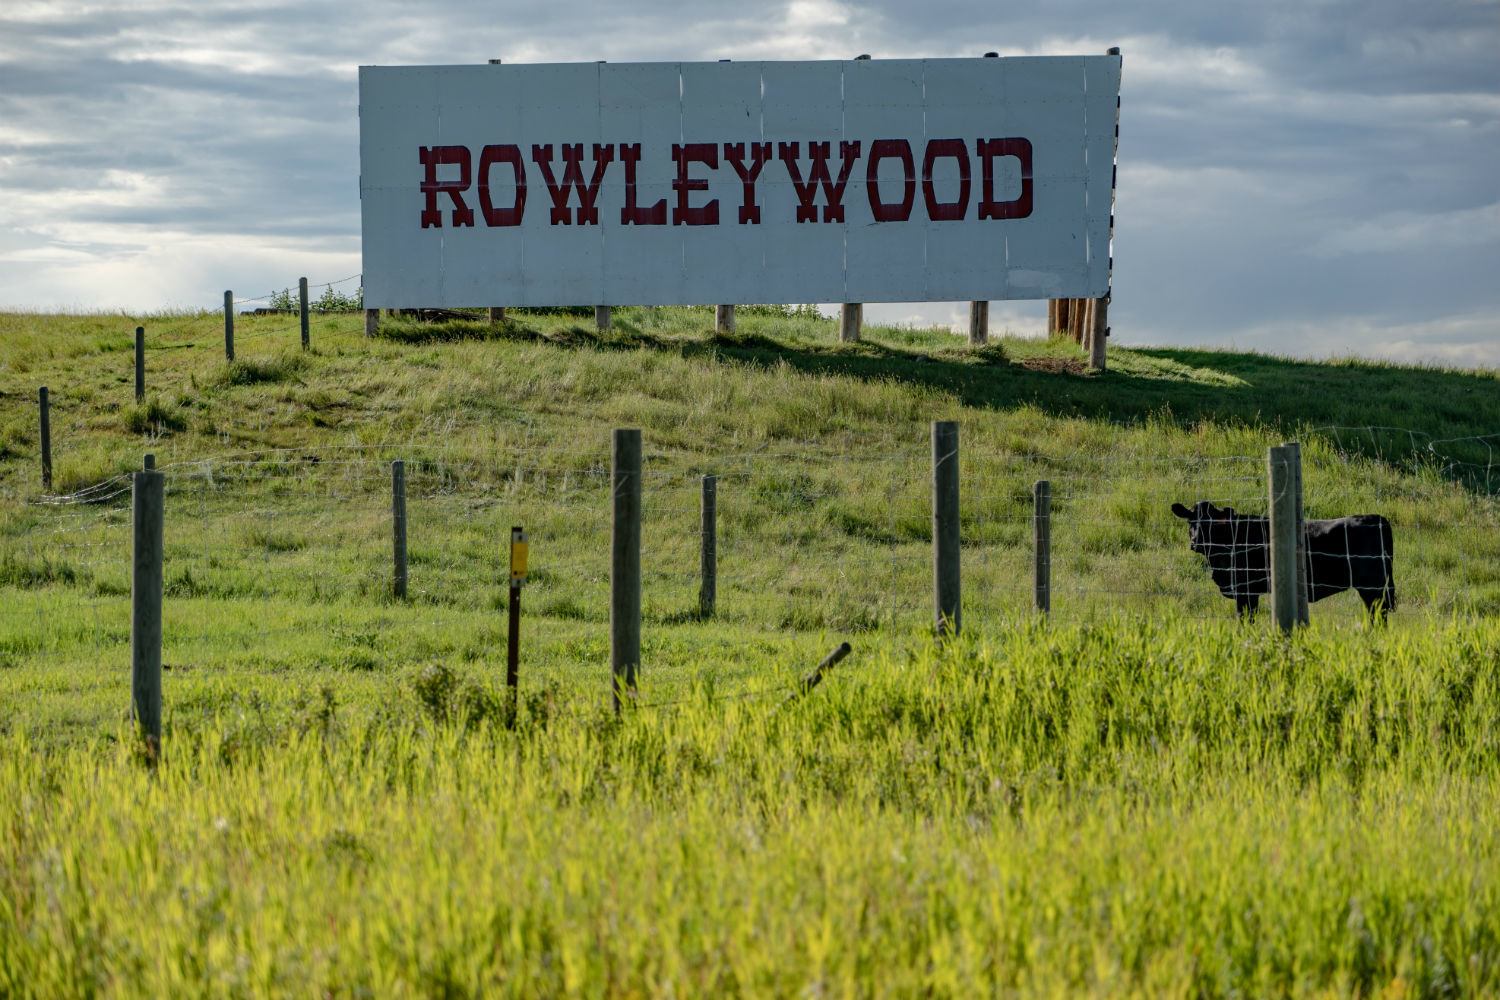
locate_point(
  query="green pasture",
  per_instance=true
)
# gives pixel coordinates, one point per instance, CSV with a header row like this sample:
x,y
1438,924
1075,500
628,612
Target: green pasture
x,y
1140,796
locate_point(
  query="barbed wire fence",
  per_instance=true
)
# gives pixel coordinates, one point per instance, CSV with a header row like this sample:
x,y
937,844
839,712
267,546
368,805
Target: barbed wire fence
x,y
279,560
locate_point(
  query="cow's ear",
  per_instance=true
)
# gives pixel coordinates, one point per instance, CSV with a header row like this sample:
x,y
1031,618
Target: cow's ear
x,y
1181,511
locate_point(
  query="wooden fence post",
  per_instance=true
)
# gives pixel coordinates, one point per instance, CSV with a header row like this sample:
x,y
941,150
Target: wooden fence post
x,y
513,647
44,405
228,325
851,318
398,524
140,363
947,604
625,563
147,502
724,319
1284,530
496,314
601,318
1064,306
1295,453
979,323
372,322
708,555
1041,538
302,311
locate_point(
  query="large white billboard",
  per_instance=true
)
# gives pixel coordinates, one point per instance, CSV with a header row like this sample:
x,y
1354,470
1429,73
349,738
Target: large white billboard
x,y
701,183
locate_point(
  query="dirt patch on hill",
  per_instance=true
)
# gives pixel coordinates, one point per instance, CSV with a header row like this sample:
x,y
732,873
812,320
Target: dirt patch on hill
x,y
1066,366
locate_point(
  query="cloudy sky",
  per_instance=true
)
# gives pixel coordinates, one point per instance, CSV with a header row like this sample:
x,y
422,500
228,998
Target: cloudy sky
x,y
1306,177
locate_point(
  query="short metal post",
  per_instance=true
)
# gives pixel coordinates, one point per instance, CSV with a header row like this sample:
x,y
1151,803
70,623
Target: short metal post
x,y
46,417
147,493
1283,527
140,363
708,557
723,319
947,609
302,309
398,521
1041,538
228,326
513,649
625,563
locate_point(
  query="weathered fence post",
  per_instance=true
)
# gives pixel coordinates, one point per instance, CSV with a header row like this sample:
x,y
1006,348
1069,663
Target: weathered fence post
x,y
601,318
1098,332
45,408
513,648
398,523
372,322
1041,540
1284,531
851,318
496,314
147,502
149,463
1295,451
625,563
723,319
979,323
302,311
947,609
228,325
140,363
708,556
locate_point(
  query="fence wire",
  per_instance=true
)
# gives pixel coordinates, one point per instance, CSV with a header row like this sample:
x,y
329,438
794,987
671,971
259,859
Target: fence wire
x,y
279,560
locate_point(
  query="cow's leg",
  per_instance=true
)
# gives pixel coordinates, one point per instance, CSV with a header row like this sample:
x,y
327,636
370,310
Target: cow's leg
x,y
1378,603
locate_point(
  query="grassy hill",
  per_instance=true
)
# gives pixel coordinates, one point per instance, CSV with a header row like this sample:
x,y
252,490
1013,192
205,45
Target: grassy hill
x,y
1140,795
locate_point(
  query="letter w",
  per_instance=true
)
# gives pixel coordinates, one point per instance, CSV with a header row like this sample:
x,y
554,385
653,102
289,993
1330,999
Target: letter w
x,y
807,192
573,178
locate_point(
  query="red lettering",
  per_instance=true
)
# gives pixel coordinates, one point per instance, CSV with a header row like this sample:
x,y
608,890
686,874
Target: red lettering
x,y
694,152
807,192
573,178
988,150
734,154
891,211
488,157
946,211
656,215
432,157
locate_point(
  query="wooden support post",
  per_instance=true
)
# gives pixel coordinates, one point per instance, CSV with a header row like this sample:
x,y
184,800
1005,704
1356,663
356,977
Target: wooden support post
x,y
723,319
708,547
601,318
1064,306
140,363
1078,316
372,322
1294,450
947,610
979,323
1041,539
1284,530
228,325
625,563
44,405
147,502
851,318
1098,332
398,524
496,315
302,311
1051,318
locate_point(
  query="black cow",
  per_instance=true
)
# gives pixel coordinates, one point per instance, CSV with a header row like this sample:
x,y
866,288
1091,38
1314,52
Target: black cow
x,y
1341,552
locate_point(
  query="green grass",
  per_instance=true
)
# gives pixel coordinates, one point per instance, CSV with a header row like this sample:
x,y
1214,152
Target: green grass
x,y
1140,797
